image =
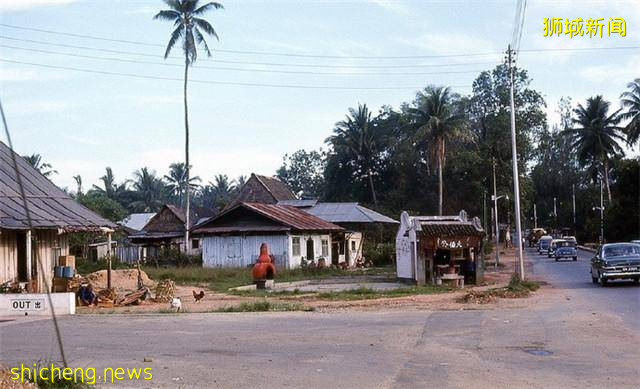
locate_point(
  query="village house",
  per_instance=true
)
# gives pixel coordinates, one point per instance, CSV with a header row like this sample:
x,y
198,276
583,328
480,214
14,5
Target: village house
x,y
233,238
54,216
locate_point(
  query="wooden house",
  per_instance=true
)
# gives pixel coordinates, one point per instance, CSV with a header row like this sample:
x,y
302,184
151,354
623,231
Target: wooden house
x,y
53,215
233,238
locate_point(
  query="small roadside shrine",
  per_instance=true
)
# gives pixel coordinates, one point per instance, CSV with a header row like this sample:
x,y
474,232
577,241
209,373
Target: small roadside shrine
x,y
439,249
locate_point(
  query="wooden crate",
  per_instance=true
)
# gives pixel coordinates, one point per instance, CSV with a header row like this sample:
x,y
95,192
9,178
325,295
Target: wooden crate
x,y
67,260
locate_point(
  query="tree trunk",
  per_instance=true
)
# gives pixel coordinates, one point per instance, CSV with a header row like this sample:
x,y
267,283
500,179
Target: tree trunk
x,y
186,155
373,191
606,179
440,181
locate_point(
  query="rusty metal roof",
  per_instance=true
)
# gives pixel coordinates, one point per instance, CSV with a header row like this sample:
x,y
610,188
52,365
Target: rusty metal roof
x,y
50,207
451,228
289,217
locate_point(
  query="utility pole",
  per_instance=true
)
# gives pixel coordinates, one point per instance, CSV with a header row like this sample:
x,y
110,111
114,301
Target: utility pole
x,y
535,216
484,210
601,215
495,208
573,196
516,180
555,214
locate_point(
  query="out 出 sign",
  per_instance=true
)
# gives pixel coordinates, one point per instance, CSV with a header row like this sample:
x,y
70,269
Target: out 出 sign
x,y
26,305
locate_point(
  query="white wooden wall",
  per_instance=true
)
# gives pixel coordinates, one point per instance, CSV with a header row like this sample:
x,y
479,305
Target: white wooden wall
x,y
242,251
317,249
49,246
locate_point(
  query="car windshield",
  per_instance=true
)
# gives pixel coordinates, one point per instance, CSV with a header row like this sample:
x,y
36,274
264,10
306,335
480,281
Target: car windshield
x,y
622,250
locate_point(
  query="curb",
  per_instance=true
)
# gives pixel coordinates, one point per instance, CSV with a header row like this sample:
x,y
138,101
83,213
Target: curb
x,y
585,248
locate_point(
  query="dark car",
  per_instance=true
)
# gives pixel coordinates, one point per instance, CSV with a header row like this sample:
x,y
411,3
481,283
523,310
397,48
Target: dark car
x,y
565,249
616,261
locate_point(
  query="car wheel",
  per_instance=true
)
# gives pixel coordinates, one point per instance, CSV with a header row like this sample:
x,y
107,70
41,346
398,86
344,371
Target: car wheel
x,y
575,258
602,280
594,280
556,259
636,281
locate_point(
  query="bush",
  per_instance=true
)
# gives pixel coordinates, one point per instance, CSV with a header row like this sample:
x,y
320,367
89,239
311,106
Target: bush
x,y
380,254
170,256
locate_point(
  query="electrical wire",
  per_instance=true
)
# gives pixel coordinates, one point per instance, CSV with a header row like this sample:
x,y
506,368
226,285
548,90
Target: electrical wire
x,y
289,86
236,69
332,66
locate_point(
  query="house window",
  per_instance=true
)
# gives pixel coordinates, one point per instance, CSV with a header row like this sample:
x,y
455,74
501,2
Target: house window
x,y
295,242
353,245
195,244
325,248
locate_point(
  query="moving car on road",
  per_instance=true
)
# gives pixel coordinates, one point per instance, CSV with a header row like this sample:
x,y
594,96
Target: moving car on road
x,y
552,247
616,261
543,244
534,235
565,249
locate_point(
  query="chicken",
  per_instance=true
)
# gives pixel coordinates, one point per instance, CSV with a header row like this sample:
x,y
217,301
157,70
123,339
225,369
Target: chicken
x,y
176,304
198,296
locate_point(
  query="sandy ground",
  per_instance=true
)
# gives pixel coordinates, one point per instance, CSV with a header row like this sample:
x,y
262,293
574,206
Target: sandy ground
x,y
445,301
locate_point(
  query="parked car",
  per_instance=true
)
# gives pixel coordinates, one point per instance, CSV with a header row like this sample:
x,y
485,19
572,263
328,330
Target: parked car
x,y
543,244
616,261
565,249
535,235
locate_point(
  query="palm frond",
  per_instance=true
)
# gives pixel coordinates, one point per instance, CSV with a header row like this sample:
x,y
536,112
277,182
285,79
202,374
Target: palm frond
x,y
175,35
206,7
189,46
174,4
166,14
200,39
208,28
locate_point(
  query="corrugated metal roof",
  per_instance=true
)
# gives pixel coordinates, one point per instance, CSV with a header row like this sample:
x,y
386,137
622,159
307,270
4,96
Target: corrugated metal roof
x,y
50,206
136,221
348,213
299,203
290,218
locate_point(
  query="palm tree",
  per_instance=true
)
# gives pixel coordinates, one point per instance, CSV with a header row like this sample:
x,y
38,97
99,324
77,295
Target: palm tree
x,y
150,191
631,101
45,168
357,135
596,136
177,181
240,181
437,121
78,180
189,28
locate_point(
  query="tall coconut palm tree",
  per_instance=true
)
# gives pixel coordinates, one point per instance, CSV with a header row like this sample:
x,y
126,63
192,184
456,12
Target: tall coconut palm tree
x,y
177,181
595,135
437,121
357,135
190,29
150,191
631,102
45,168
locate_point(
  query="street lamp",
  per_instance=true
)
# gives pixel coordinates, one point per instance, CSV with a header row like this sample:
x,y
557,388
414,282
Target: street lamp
x,y
495,199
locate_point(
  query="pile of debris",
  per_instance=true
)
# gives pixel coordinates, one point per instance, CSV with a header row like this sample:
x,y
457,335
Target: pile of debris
x,y
165,291
121,280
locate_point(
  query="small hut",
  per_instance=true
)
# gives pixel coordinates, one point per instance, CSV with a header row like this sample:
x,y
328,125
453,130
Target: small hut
x,y
437,249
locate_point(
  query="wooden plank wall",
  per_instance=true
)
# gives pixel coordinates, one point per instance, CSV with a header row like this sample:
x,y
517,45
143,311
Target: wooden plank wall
x,y
8,256
242,251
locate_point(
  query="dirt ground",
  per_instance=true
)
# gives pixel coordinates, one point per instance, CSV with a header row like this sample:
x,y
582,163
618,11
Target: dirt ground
x,y
443,301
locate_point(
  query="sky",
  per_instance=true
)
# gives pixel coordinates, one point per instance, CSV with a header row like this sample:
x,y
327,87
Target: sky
x,y
82,122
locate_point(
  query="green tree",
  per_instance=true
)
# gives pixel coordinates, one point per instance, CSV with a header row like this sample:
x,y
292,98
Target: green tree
x,y
437,122
177,181
357,137
596,135
150,191
303,172
104,206
631,103
36,161
190,30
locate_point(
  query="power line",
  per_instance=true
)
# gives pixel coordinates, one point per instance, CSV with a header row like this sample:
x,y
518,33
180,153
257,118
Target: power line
x,y
244,52
289,86
333,66
234,69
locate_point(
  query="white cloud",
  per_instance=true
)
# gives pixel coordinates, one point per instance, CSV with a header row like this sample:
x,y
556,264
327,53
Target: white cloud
x,y
444,44
612,74
25,108
13,74
391,5
18,5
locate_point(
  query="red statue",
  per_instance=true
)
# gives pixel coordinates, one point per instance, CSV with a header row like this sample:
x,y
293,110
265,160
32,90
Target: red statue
x,y
263,269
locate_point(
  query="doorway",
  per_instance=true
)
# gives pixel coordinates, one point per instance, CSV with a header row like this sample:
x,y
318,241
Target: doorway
x,y
21,242
310,250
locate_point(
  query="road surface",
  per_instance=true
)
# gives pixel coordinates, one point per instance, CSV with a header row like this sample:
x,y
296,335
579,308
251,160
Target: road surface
x,y
571,335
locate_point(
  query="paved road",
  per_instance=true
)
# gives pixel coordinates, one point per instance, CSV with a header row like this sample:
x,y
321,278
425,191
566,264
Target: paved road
x,y
620,298
573,335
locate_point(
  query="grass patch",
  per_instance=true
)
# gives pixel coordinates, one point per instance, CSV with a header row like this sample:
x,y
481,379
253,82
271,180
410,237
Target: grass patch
x,y
368,293
221,279
265,306
515,289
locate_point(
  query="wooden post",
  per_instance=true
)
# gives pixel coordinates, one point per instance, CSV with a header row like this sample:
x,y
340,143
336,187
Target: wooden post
x,y
28,256
109,260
